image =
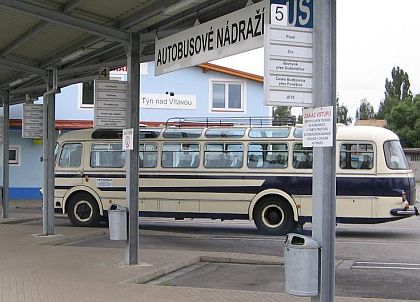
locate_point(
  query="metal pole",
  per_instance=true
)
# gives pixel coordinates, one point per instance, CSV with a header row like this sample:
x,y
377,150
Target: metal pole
x,y
324,170
48,156
132,158
5,197
51,160
44,159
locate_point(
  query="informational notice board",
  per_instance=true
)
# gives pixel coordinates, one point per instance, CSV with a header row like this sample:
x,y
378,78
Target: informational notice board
x,y
288,54
318,127
32,120
110,104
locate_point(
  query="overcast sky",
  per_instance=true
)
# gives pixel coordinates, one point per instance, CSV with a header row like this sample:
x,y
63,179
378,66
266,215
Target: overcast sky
x,y
373,36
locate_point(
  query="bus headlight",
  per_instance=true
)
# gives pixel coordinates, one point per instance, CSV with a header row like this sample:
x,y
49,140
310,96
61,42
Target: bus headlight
x,y
404,200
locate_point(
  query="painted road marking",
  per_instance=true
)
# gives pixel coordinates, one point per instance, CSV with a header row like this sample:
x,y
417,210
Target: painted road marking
x,y
385,265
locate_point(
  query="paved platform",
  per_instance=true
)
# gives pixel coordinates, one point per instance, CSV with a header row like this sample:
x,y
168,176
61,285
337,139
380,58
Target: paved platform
x,y
44,268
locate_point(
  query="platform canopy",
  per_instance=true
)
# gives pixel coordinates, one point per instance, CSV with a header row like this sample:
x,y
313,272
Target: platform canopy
x,y
80,36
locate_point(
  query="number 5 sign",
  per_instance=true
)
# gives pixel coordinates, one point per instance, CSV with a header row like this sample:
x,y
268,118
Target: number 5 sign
x,y
292,13
127,139
279,14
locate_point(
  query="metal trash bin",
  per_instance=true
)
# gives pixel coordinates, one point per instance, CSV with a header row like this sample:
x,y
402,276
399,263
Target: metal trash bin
x,y
301,265
117,217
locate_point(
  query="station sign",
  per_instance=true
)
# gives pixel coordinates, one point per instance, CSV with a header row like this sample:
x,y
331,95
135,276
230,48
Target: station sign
x,y
292,13
234,33
288,54
110,104
166,101
32,120
104,73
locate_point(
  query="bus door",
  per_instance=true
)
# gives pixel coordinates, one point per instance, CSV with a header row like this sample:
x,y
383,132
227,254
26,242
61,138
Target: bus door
x,y
69,166
356,179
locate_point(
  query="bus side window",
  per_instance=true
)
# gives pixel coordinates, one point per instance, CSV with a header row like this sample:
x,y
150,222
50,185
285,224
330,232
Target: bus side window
x,y
147,155
107,156
302,157
180,155
223,155
268,155
253,161
356,156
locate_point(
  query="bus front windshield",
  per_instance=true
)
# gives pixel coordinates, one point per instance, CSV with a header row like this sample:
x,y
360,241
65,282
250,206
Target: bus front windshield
x,y
394,156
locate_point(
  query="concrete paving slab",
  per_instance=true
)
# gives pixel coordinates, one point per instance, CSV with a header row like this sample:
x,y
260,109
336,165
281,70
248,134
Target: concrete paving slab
x,y
44,269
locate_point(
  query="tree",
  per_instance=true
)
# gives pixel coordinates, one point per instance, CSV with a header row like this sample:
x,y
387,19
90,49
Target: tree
x,y
416,108
282,115
400,109
342,111
282,111
401,120
397,89
365,111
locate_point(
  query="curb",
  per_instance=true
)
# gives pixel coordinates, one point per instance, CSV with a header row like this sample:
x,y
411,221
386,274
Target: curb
x,y
194,260
72,238
20,220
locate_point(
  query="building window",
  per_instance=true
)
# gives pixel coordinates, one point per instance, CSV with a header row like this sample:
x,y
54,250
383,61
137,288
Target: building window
x,y
14,155
227,95
87,90
88,94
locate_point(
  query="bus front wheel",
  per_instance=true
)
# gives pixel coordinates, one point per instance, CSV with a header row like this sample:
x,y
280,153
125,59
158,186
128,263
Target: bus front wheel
x,y
83,210
274,216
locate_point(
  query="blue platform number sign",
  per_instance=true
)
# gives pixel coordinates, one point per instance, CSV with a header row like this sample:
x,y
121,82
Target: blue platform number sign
x,y
294,13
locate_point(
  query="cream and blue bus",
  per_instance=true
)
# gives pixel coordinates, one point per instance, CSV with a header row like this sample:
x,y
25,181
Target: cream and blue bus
x,y
259,173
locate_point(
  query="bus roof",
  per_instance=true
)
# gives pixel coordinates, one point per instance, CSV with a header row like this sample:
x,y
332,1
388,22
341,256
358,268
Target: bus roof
x,y
362,133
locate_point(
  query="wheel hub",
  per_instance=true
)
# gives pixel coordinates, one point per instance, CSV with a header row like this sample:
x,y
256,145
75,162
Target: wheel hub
x,y
83,211
273,216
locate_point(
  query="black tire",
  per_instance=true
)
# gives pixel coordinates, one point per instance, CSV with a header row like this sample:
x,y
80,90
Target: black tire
x,y
83,210
274,216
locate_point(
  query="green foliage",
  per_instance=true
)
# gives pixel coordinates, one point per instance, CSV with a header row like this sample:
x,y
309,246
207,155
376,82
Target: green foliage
x,y
282,111
401,120
400,109
342,112
365,111
283,115
396,90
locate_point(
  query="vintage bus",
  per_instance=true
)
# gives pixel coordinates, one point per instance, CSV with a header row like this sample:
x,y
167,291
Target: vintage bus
x,y
259,173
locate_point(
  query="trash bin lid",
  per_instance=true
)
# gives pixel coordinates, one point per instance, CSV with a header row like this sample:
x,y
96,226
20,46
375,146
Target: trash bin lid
x,y
300,241
117,207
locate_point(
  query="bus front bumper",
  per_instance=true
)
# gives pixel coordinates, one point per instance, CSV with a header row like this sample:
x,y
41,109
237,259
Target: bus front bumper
x,y
401,212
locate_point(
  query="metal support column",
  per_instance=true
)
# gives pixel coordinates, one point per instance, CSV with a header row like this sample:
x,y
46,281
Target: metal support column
x,y
5,195
49,140
132,158
324,178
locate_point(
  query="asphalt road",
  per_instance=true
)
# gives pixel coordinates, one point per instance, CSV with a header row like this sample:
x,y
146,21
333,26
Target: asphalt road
x,y
377,261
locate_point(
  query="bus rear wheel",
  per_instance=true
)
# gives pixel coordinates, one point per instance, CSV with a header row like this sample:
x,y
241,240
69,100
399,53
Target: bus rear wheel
x,y
274,216
83,210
